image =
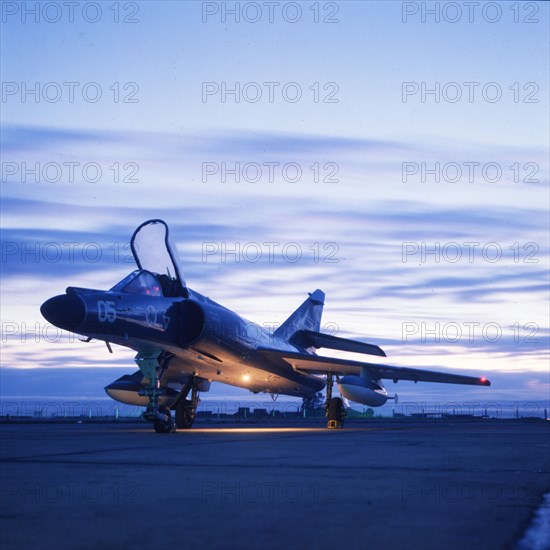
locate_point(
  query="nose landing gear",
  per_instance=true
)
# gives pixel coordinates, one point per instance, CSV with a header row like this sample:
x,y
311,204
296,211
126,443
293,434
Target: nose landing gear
x,y
150,364
163,422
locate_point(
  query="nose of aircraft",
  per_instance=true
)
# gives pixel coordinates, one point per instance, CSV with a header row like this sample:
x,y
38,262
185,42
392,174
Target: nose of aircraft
x,y
65,311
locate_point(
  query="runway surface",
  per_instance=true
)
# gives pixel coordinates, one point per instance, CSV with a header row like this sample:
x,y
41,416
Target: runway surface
x,y
381,485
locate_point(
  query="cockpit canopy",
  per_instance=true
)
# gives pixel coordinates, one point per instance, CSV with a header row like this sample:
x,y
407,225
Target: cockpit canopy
x,y
146,283
156,255
141,282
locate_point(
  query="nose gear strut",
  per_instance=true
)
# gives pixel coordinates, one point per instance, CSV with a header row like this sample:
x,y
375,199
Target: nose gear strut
x,y
151,365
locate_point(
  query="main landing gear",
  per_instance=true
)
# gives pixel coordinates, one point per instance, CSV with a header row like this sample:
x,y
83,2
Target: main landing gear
x,y
185,409
334,407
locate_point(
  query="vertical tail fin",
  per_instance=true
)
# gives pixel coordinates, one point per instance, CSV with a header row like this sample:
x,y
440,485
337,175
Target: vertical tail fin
x,y
306,317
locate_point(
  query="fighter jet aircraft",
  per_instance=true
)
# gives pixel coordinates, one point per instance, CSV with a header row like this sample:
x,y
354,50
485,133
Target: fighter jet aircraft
x,y
184,341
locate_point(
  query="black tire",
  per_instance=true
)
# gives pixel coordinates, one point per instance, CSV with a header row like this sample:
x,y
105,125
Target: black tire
x,y
185,414
336,409
162,427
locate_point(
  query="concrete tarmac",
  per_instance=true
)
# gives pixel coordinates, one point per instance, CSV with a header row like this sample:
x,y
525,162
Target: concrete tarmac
x,y
398,484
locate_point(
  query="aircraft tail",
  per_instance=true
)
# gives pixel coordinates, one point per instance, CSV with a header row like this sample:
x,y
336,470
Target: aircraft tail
x,y
306,317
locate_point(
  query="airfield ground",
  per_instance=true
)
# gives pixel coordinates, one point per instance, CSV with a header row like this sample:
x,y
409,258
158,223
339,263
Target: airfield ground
x,y
398,484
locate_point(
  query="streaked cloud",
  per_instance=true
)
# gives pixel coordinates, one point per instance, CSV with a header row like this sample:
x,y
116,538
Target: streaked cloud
x,y
374,211
352,237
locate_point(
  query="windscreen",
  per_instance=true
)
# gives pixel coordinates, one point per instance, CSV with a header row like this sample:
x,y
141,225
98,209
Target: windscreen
x,y
154,250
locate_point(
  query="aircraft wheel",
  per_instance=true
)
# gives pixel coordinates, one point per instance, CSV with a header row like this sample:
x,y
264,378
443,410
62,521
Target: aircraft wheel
x,y
185,414
335,413
161,426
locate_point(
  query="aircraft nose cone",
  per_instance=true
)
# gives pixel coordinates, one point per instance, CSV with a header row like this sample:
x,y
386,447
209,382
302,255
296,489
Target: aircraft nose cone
x,y
65,311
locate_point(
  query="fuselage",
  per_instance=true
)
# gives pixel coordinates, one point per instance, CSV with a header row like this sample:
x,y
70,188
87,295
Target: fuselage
x,y
203,338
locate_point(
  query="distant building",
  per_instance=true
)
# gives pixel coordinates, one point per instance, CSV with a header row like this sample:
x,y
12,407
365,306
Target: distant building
x,y
242,412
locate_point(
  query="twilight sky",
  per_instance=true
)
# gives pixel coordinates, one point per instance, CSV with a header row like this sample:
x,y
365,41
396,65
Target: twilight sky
x,y
397,158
